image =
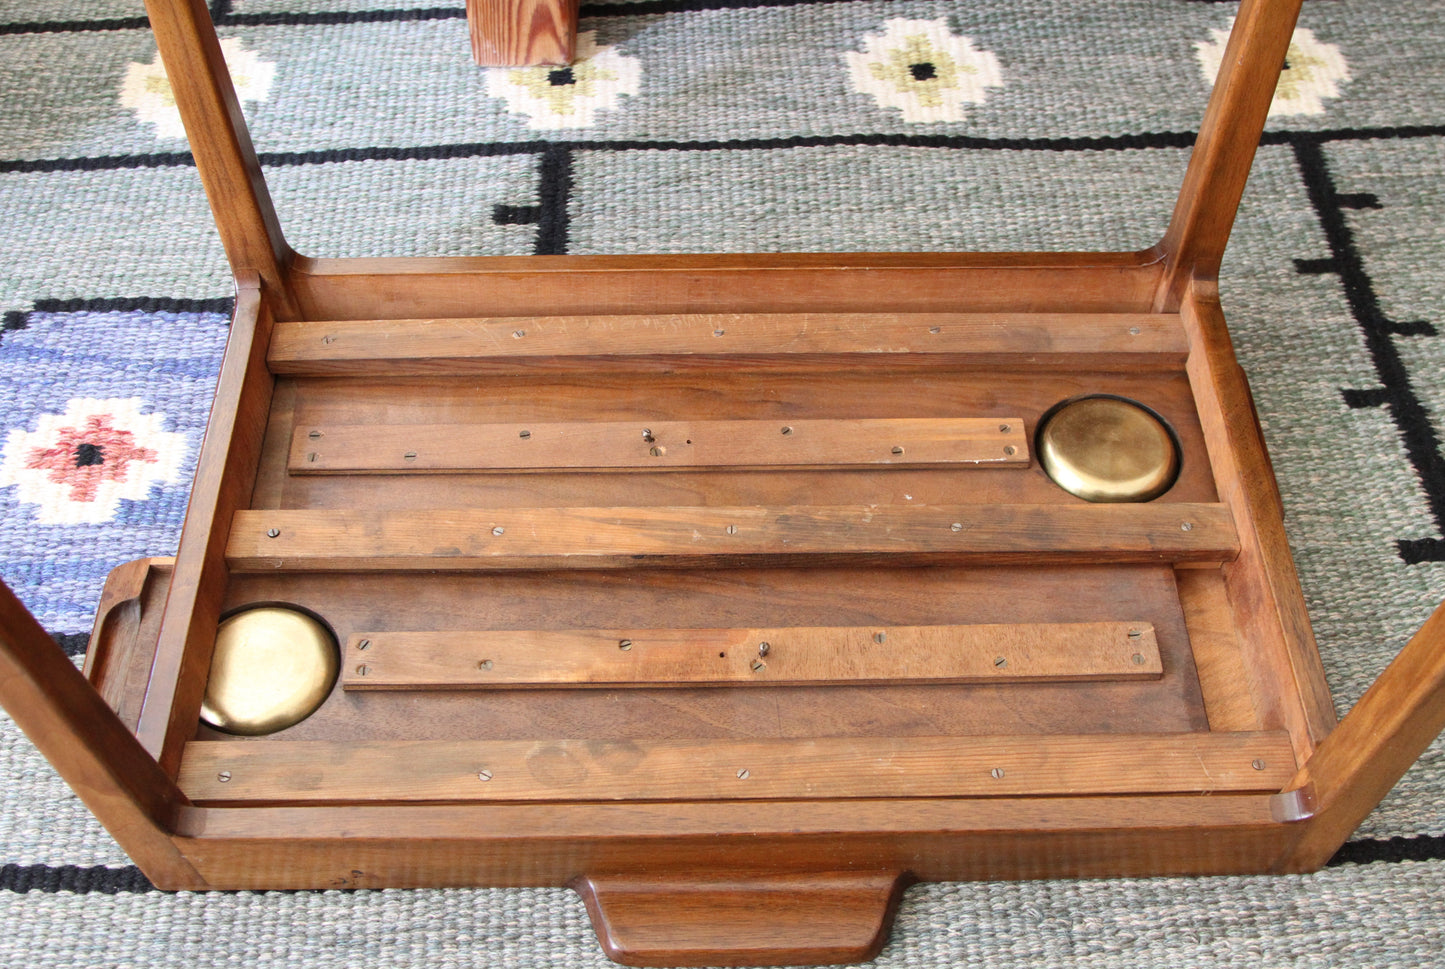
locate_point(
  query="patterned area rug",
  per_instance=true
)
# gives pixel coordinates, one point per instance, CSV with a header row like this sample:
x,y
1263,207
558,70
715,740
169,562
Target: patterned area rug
x,y
718,126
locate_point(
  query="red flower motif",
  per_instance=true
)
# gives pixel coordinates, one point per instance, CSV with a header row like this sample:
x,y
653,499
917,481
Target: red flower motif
x,y
83,457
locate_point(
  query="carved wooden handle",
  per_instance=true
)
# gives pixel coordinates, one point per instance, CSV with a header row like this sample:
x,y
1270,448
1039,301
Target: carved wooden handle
x,y
742,920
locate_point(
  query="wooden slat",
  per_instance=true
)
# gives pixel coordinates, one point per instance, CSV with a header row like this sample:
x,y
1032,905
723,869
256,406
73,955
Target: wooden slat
x,y
571,538
836,767
511,33
658,445
790,656
1072,341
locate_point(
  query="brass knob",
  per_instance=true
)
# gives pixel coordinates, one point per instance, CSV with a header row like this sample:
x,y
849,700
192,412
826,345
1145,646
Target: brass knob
x,y
1105,448
272,667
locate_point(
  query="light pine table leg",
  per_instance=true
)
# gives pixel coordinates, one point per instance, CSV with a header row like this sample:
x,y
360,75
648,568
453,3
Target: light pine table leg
x,y
515,33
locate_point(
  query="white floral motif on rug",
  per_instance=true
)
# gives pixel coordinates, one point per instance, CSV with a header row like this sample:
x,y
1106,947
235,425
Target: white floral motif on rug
x,y
571,96
924,70
77,466
147,91
1312,73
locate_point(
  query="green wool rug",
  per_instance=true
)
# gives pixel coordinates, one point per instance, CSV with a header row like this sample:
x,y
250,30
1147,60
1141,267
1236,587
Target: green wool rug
x,y
728,126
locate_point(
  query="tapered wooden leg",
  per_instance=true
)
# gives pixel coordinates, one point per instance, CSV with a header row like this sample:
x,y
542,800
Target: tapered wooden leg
x,y
92,750
516,33
1356,765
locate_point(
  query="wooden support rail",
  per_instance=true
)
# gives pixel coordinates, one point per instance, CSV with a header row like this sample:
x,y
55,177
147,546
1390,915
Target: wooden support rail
x,y
790,656
658,445
265,540
1058,341
835,767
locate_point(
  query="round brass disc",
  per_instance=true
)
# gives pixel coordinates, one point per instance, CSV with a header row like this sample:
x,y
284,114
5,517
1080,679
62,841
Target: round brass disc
x,y
1108,449
272,668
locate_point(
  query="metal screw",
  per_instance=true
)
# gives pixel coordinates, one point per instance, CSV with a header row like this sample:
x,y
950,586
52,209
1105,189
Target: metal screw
x,y
1004,428
498,530
758,666
1257,763
1186,526
224,776
485,664
327,339
897,450
743,774
312,456
996,773
273,532
1010,450
763,648
935,329
732,529
518,334
314,435
624,645
364,644
1135,633
363,669
524,434
1133,331
787,430
1138,659
880,638
956,527
484,775
1000,662
657,450
410,455
718,332
647,435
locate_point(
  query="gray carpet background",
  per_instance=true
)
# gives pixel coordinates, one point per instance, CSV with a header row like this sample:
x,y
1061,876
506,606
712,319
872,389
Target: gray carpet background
x,y
746,133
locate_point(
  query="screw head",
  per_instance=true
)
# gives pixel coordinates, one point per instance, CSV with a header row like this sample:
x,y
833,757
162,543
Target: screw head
x,y
484,775
524,434
1010,450
744,774
364,644
1138,659
787,430
935,329
410,455
1004,428
499,530
956,527
657,450
624,644
763,648
314,435
312,456
1257,763
897,449
1133,331
718,332
485,664
1000,661
758,665
363,669
224,776
996,773
732,529
1186,526
518,334
273,532
1135,633
880,637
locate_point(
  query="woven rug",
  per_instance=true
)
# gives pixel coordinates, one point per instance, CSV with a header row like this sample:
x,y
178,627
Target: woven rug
x,y
725,126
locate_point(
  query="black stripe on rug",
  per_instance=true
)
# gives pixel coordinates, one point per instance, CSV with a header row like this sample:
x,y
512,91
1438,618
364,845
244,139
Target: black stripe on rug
x,y
95,880
1425,847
